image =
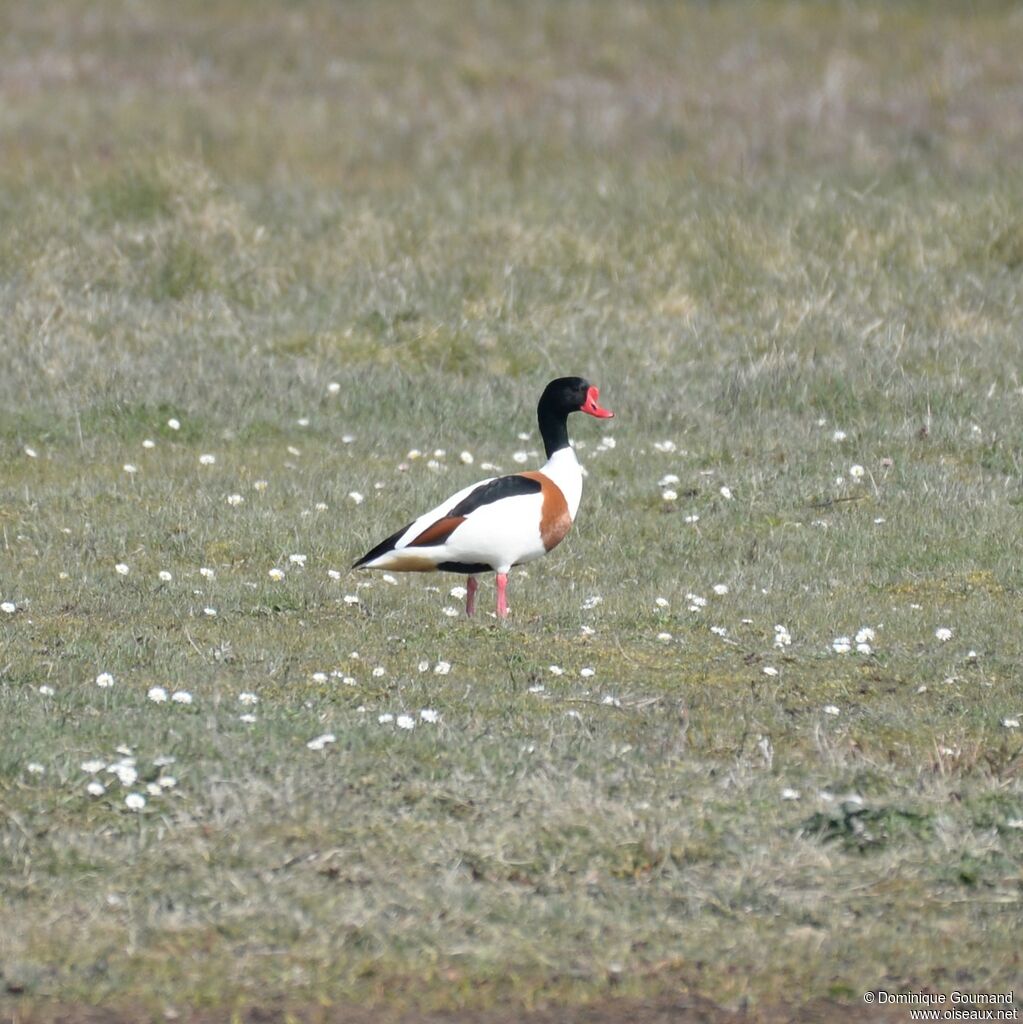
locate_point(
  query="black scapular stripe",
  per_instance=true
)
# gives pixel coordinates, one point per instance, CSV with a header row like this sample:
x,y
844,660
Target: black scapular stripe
x,y
494,490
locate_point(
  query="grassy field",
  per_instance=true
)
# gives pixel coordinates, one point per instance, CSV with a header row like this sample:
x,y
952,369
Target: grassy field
x,y
751,735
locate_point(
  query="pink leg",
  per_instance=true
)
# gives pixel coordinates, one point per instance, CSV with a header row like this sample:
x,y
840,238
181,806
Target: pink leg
x,y
502,600
470,597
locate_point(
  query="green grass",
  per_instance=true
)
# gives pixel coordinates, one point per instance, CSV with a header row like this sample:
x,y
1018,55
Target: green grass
x,y
752,226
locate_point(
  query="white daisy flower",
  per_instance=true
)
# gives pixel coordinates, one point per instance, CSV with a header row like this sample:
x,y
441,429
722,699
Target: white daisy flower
x,y
351,599
334,574
592,602
31,452
34,768
664,637
429,715
661,602
95,788
405,722
669,495
164,576
260,485
830,709
248,718
126,773
104,680
206,459
587,673
174,424
134,801
449,611
319,677
719,630
130,468
856,471
333,388
458,592
319,742
93,766
276,574
770,670
841,645
520,457
379,671
8,607
720,589
442,668
1011,723
148,443
121,569
691,518
555,670
726,493
864,635
297,559
356,497
235,499
668,480
386,718
790,794
467,458
838,435
157,694
943,634
248,698
181,697
210,613
206,573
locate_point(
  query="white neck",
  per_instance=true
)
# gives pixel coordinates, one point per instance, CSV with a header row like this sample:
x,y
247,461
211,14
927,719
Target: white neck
x,y
564,469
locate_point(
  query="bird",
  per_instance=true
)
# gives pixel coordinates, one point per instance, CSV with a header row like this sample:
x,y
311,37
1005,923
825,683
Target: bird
x,y
504,520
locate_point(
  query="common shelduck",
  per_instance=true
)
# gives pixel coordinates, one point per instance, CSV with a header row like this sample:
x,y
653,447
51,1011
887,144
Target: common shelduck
x,y
504,520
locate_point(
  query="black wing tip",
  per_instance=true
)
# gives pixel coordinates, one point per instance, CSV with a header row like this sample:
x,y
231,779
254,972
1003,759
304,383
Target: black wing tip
x,y
381,549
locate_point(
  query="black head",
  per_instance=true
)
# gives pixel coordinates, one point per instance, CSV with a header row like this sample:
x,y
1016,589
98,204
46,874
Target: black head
x,y
560,398
572,394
